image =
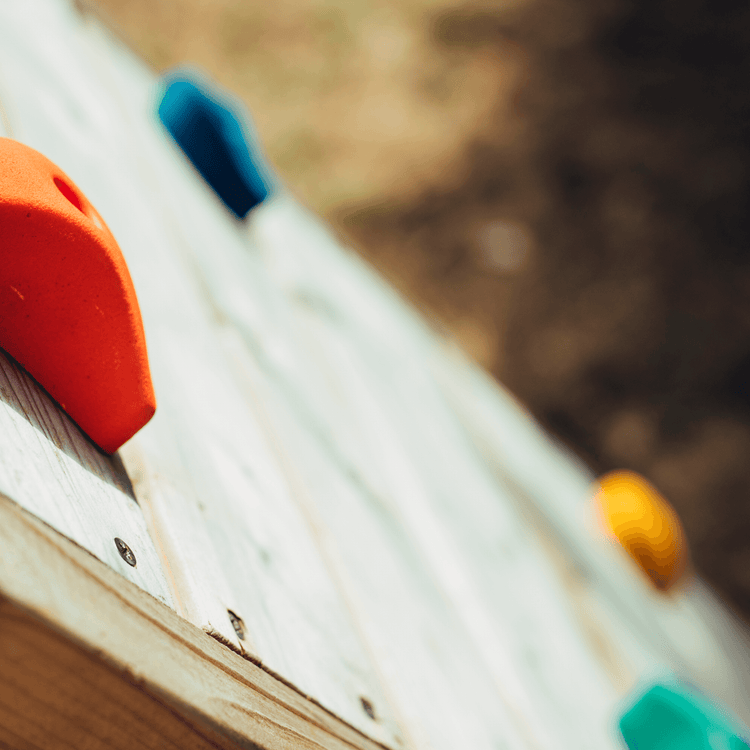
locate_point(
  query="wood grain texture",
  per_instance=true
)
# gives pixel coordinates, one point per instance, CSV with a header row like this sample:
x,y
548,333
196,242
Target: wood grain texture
x,y
230,534
560,616
434,674
390,427
434,671
640,631
50,468
90,660
586,595
389,526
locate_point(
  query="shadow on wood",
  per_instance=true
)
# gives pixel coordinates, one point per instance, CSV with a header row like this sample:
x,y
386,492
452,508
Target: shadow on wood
x,y
27,397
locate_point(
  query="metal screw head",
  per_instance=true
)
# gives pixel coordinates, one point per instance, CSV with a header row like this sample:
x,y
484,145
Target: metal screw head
x,y
237,624
125,552
369,709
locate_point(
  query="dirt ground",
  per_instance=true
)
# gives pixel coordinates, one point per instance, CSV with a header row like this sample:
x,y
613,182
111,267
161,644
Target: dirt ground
x,y
398,122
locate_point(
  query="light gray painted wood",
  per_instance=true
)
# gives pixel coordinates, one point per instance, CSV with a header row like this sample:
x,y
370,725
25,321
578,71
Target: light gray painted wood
x,y
526,527
387,522
433,673
390,427
689,632
49,468
433,669
232,535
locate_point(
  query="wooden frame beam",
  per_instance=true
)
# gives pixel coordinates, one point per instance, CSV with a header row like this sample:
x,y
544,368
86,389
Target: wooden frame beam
x,y
87,659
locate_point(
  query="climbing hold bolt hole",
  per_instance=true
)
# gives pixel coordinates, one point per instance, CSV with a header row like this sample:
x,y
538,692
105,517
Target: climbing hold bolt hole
x,y
237,624
368,708
68,193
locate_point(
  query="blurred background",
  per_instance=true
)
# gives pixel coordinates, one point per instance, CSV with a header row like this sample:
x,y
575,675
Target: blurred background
x,y
561,186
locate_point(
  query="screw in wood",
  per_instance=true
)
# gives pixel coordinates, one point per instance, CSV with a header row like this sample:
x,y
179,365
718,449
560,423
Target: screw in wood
x,y
369,709
125,552
237,624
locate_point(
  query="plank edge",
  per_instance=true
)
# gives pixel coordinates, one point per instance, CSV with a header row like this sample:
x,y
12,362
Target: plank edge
x,y
57,583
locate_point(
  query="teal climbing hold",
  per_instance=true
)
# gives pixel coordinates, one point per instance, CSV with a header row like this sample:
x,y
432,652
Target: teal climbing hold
x,y
675,717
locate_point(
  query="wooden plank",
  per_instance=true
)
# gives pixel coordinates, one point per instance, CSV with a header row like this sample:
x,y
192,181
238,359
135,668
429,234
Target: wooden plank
x,y
232,536
689,632
89,660
483,554
415,459
440,699
317,412
434,672
575,620
52,470
49,467
235,285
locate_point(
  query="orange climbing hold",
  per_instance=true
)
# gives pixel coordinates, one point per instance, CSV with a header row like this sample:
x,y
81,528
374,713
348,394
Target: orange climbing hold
x,y
645,524
68,310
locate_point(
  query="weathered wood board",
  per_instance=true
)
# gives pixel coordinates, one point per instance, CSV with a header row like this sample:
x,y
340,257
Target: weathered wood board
x,y
88,660
269,344
401,543
232,537
545,494
690,631
260,329
50,468
433,669
394,434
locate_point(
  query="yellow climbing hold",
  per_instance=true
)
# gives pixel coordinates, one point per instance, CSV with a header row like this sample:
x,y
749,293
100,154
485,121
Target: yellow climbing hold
x,y
645,524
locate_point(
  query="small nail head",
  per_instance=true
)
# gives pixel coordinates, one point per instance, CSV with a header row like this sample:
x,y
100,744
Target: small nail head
x,y
125,552
237,624
369,709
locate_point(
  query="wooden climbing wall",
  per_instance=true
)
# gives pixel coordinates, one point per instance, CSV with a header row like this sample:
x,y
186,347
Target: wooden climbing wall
x,y
328,485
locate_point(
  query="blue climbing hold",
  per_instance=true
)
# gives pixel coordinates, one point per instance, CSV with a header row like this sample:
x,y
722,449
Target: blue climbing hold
x,y
214,131
673,717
